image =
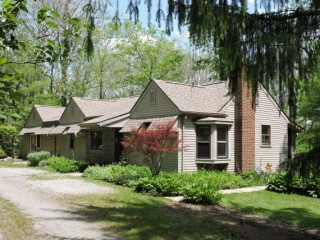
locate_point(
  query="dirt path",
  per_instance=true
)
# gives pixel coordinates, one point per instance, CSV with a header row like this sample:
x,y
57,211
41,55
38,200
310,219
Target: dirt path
x,y
38,199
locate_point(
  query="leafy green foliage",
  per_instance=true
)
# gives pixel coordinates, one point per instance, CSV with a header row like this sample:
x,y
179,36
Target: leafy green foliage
x,y
298,185
2,153
8,139
64,165
36,157
172,184
257,178
122,175
201,194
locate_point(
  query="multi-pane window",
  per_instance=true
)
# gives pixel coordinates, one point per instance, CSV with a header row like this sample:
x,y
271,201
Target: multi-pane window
x,y
96,140
266,135
203,141
222,141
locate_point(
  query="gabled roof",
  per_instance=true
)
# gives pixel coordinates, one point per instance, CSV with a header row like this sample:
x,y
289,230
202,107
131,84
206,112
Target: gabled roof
x,y
49,113
196,99
106,108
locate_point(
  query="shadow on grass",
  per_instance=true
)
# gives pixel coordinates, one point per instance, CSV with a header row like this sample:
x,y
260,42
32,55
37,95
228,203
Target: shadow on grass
x,y
301,217
153,219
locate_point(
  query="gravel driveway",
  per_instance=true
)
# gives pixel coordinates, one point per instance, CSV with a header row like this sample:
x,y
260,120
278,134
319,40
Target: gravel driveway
x,y
38,199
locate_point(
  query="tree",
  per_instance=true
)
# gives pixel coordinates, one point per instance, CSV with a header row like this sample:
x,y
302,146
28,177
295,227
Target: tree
x,y
153,144
277,45
140,55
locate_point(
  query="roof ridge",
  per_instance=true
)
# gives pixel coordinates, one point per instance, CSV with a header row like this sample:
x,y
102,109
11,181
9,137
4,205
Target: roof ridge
x,y
38,106
106,100
178,83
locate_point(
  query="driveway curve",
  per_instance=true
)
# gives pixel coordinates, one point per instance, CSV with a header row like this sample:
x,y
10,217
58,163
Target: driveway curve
x,y
38,199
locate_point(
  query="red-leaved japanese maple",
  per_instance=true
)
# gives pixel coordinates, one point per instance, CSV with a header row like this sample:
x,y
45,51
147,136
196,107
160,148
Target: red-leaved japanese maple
x,y
153,143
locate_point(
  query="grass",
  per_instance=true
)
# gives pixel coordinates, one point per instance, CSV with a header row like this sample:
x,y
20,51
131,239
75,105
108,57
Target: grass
x,y
298,210
13,224
136,216
13,164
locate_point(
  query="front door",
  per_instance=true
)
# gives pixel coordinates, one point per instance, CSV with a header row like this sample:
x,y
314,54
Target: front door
x,y
117,144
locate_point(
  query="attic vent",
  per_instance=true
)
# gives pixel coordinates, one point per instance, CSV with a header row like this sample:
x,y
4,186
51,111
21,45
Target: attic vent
x,y
152,97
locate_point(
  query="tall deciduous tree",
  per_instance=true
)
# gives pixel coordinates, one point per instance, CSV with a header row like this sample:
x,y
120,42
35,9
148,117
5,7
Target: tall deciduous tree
x,y
276,44
142,54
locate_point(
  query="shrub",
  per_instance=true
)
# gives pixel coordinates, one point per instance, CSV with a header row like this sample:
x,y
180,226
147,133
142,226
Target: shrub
x,y
296,184
254,178
201,194
2,153
35,157
165,184
171,184
8,139
63,164
119,174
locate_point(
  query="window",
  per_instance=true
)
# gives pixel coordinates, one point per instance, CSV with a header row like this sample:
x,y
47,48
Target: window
x,y
152,97
35,142
71,141
265,135
203,141
222,141
96,140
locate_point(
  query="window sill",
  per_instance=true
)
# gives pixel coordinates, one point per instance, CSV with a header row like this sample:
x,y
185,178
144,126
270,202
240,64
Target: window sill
x,y
265,146
213,161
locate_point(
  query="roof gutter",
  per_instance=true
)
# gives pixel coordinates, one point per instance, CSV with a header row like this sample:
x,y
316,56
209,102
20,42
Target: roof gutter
x,y
204,114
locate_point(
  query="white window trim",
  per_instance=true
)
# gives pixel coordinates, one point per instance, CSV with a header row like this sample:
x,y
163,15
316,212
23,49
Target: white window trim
x,y
262,145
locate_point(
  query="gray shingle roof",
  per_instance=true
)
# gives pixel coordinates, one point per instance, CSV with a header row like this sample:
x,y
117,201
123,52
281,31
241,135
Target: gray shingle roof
x,y
49,113
201,99
106,108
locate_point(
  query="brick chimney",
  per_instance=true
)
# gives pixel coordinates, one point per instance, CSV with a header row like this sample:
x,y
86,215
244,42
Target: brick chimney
x,y
244,128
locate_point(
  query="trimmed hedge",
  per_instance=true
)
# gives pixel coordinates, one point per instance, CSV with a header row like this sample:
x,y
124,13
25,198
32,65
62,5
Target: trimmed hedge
x,y
36,157
64,165
9,140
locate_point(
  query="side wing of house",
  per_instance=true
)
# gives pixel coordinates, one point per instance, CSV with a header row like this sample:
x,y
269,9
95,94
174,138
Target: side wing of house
x,y
153,105
34,119
271,133
72,114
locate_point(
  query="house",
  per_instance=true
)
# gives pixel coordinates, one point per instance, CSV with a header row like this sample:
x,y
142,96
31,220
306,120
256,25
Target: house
x,y
77,131
34,134
216,130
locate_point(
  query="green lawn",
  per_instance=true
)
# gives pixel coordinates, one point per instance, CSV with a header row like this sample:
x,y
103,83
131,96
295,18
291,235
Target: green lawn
x,y
295,209
137,216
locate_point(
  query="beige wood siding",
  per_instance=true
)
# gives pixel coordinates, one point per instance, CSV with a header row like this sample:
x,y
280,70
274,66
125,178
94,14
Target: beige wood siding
x,y
162,106
24,146
72,114
34,119
47,144
189,142
229,110
267,113
169,163
105,155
